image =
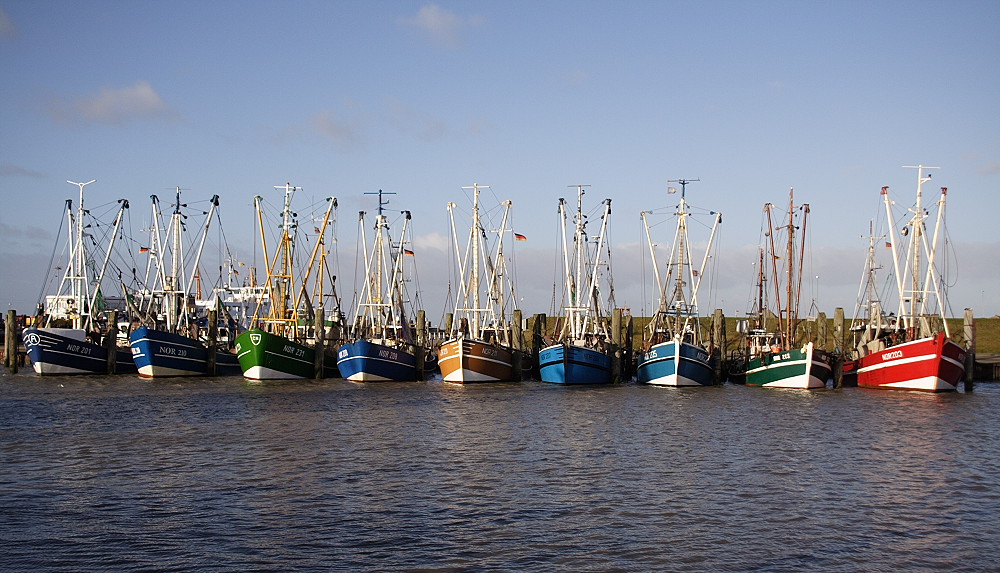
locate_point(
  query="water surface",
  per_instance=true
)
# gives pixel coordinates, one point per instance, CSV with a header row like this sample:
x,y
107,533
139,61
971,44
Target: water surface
x,y
120,473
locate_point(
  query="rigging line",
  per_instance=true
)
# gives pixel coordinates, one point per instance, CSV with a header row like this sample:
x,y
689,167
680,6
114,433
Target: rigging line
x,y
55,247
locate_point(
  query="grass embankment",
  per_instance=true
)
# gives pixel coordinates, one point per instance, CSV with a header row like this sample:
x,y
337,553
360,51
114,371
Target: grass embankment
x,y
987,333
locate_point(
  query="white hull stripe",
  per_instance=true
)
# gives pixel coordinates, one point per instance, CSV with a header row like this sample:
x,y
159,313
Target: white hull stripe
x,y
899,362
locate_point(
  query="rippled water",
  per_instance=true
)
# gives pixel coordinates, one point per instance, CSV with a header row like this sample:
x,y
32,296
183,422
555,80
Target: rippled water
x,y
200,475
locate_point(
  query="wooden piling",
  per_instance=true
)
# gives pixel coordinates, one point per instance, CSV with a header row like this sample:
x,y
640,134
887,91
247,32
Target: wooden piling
x,y
111,342
821,331
970,349
213,341
517,345
319,335
629,357
717,344
839,331
839,347
537,341
616,345
421,345
10,342
449,322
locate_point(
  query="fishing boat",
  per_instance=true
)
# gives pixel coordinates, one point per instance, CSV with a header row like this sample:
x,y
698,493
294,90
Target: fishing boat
x,y
380,344
479,347
581,353
69,340
166,343
911,349
674,354
775,358
291,329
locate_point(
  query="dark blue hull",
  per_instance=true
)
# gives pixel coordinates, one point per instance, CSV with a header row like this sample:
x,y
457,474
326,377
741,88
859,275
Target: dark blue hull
x,y
158,353
364,361
54,353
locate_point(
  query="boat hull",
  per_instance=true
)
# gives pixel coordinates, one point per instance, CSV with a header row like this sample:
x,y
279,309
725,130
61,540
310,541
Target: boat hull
x,y
463,360
569,364
675,363
158,353
267,356
802,368
934,364
58,351
366,361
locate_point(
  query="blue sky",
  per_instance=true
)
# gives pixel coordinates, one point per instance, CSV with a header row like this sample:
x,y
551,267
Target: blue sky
x,y
421,99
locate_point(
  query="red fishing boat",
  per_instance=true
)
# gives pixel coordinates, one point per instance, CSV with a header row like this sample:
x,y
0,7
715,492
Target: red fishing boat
x,y
911,349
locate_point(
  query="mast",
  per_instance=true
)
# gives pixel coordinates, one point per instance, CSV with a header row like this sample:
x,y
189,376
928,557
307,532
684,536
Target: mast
x,y
107,258
173,294
681,257
789,253
77,272
195,274
913,295
286,252
476,327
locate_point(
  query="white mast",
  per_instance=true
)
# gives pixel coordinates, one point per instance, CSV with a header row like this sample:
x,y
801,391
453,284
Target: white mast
x,y
77,272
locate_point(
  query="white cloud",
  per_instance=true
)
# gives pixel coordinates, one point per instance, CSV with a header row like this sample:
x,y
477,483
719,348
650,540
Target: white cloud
x,y
114,106
440,26
436,241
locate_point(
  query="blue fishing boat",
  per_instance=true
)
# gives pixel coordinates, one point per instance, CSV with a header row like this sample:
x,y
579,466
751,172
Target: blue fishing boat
x,y
163,346
675,363
366,361
380,343
62,351
581,352
572,364
160,353
67,342
674,354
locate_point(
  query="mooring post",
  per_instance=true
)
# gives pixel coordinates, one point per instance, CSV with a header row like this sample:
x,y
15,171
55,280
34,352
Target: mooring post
x,y
10,342
449,322
111,342
616,345
517,345
418,350
718,340
629,344
821,331
840,351
213,341
537,341
319,335
970,349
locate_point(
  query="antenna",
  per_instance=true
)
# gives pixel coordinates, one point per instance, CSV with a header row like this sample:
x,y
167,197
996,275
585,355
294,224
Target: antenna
x,y
683,183
381,203
81,186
